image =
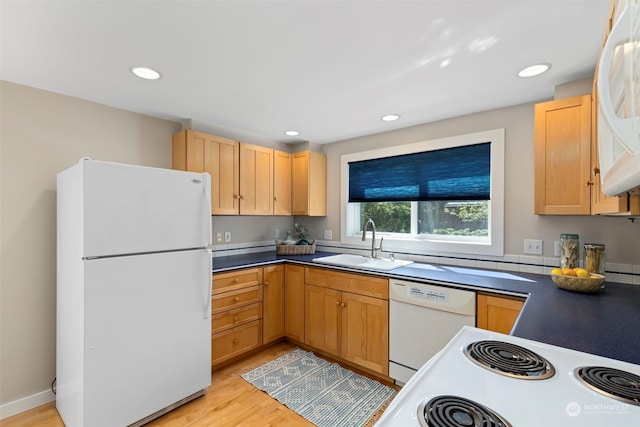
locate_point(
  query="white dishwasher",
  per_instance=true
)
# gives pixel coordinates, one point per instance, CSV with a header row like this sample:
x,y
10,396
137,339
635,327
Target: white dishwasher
x,y
422,320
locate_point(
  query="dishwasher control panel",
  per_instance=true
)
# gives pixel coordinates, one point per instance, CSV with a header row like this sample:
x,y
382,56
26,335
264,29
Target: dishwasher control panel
x,y
427,294
430,295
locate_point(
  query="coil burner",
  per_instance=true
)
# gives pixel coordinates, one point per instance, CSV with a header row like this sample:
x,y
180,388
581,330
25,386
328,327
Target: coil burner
x,y
620,385
510,360
454,411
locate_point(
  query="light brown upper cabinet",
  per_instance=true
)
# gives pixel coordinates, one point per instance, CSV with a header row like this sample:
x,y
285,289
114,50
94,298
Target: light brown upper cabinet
x,y
245,179
309,184
281,183
200,152
566,161
563,156
256,180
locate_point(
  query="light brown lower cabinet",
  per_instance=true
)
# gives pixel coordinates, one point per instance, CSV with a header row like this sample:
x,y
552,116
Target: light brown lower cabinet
x,y
294,302
498,313
273,297
236,313
343,321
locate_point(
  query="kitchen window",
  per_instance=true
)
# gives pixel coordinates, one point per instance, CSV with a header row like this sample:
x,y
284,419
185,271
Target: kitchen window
x,y
444,195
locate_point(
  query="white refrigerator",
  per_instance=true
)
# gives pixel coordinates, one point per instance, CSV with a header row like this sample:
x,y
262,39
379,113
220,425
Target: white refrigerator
x,y
133,329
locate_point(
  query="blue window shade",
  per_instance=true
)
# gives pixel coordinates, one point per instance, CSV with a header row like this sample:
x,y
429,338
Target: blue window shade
x,y
459,173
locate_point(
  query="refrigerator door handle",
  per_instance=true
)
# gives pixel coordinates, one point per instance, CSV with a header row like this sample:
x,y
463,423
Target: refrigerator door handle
x,y
207,305
207,204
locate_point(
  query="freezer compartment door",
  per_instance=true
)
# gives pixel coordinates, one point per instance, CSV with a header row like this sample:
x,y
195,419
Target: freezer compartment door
x,y
147,340
133,209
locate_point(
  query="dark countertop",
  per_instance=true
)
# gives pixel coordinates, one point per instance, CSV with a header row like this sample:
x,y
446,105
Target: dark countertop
x,y
606,323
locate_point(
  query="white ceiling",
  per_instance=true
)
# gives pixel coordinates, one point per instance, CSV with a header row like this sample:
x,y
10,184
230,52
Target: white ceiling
x,y
329,69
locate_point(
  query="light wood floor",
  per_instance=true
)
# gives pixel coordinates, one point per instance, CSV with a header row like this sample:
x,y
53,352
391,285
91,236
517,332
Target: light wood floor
x,y
230,401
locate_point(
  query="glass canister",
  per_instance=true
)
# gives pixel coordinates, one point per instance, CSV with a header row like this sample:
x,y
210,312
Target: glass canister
x,y
594,258
569,244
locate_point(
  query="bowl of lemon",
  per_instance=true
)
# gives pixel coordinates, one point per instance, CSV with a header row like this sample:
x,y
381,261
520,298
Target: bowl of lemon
x,y
577,279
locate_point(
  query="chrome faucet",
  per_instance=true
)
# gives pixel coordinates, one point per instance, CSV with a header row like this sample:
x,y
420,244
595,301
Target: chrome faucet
x,y
374,253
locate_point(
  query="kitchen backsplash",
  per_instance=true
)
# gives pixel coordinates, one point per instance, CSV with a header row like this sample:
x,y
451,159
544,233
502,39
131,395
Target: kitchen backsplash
x,y
618,273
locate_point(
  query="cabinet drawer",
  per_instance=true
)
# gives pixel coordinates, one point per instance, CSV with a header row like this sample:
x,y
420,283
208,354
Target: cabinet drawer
x,y
236,341
235,299
357,283
235,317
224,282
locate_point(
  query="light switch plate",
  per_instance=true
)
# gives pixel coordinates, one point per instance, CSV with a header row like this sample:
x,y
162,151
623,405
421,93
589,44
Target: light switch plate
x,y
218,237
328,235
533,247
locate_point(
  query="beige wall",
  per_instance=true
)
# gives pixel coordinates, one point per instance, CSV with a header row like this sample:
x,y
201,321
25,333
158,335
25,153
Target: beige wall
x,y
43,133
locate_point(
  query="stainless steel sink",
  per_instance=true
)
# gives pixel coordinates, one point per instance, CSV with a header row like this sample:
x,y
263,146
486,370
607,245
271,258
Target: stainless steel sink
x,y
363,262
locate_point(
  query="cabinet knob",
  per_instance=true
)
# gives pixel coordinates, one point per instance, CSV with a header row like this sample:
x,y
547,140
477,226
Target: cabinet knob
x,y
275,199
236,299
236,196
337,303
343,305
596,170
236,280
266,283
589,183
235,341
235,318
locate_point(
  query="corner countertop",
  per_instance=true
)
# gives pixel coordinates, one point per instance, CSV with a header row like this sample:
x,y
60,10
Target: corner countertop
x,y
606,323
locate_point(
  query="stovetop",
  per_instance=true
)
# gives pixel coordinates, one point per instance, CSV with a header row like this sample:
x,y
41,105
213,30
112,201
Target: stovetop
x,y
548,393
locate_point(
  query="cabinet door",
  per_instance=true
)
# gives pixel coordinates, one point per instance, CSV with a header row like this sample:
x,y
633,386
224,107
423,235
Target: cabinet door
x,y
563,156
497,313
365,331
256,180
322,319
309,187
294,302
281,183
199,152
273,298
222,161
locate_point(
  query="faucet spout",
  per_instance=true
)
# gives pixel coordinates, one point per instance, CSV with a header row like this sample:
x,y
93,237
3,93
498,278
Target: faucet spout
x,y
374,253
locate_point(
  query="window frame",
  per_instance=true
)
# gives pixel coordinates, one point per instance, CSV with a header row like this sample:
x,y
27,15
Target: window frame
x,y
492,245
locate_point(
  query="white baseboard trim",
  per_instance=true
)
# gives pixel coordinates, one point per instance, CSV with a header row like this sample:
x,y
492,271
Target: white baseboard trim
x,y
17,406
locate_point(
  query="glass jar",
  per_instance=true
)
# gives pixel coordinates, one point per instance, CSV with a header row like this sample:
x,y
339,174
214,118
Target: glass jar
x,y
594,258
569,244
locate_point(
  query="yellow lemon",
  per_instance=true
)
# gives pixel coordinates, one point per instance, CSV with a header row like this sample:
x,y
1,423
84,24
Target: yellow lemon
x,y
568,272
581,272
556,271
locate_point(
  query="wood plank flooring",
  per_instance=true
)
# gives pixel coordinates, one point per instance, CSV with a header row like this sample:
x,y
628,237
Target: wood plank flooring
x,y
230,401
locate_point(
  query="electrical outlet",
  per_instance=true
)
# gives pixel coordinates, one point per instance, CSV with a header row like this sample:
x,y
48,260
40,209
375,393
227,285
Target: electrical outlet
x,y
218,237
227,236
328,235
533,247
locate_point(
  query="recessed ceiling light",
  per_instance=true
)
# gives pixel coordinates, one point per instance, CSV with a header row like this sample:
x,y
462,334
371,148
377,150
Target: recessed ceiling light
x,y
292,133
534,70
145,73
390,117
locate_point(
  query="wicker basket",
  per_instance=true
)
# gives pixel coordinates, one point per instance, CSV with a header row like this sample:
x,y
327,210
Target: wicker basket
x,y
295,249
578,284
